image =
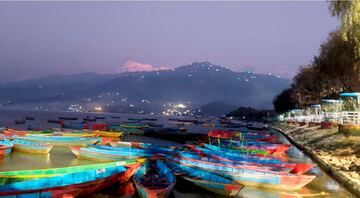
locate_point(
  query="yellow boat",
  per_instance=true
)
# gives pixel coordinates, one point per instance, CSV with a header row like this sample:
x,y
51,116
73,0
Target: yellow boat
x,y
76,134
117,135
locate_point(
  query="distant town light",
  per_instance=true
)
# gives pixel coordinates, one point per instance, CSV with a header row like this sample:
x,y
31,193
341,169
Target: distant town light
x,y
180,106
98,108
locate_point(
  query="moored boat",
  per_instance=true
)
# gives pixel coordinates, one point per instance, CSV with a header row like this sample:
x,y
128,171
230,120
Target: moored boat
x,y
6,146
255,178
22,121
116,135
230,165
154,179
80,179
67,118
60,140
133,125
54,121
75,134
251,151
11,176
138,147
29,118
31,147
207,180
104,155
254,160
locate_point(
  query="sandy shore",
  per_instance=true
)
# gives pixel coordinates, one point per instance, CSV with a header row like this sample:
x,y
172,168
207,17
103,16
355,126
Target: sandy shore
x,y
337,154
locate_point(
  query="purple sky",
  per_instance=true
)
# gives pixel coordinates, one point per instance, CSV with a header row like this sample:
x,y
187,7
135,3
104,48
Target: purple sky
x,y
42,38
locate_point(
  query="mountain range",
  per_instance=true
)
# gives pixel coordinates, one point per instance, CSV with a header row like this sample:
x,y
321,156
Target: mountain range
x,y
194,85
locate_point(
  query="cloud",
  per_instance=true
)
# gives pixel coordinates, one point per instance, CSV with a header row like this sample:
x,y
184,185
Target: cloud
x,y
133,66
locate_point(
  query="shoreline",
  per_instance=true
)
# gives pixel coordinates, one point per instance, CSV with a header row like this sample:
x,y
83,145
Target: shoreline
x,y
322,158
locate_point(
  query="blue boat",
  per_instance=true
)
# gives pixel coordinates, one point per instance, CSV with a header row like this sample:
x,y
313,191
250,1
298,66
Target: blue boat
x,y
142,147
70,181
104,155
207,180
31,147
239,156
154,179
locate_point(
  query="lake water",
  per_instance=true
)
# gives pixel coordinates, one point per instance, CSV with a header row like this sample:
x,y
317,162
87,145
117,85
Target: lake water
x,y
322,186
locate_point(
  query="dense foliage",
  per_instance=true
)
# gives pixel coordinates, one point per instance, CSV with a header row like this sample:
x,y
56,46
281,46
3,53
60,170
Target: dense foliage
x,y
335,69
248,113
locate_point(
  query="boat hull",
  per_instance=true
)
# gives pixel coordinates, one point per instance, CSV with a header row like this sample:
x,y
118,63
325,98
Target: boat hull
x,y
32,149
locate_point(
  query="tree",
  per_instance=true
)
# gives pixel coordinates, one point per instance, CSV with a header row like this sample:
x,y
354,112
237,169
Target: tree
x,y
335,69
335,65
284,101
349,12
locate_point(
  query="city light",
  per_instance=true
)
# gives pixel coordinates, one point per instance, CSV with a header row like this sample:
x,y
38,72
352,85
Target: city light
x,y
98,108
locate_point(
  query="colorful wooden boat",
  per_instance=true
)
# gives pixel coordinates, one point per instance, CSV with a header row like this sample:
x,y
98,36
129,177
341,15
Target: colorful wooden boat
x,y
89,126
11,132
230,165
296,168
255,178
31,147
239,156
104,155
116,135
74,134
241,150
13,176
69,181
51,193
59,140
6,146
139,148
207,180
133,125
271,148
154,179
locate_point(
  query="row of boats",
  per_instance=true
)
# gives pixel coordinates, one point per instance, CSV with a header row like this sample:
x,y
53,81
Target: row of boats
x,y
224,162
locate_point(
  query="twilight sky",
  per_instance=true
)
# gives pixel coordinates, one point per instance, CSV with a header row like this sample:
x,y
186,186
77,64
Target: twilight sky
x,y
42,38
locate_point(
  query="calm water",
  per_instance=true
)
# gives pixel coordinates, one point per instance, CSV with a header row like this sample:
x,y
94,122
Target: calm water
x,y
322,186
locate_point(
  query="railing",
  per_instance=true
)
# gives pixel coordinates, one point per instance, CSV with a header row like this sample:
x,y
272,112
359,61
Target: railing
x,y
350,117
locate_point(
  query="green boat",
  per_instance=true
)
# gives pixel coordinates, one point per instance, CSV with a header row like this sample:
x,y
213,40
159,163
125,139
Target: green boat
x,y
21,175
